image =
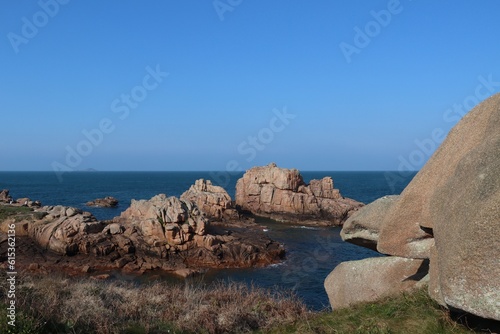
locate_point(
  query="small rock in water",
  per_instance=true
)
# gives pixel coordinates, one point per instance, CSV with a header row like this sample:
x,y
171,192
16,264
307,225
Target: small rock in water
x,y
107,202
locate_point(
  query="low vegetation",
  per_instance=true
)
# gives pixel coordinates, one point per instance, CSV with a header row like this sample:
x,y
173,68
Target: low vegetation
x,y
58,304
7,211
408,313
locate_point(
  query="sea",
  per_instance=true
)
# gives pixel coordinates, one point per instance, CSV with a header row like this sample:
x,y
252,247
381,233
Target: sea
x,y
312,252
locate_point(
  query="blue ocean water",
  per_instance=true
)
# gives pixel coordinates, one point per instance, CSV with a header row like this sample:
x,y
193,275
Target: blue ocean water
x,y
312,253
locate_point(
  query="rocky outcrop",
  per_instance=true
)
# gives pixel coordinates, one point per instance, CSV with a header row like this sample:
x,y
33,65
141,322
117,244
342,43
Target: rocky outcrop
x,y
65,230
371,279
59,229
450,214
107,202
4,196
28,202
363,227
165,220
283,195
160,233
167,225
212,200
23,201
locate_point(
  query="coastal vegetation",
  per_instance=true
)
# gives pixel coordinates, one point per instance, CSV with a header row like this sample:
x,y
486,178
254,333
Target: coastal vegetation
x,y
7,211
60,304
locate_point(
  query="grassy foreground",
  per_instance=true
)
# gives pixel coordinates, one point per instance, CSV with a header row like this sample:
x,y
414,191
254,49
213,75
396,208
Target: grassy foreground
x,y
59,304
8,211
408,313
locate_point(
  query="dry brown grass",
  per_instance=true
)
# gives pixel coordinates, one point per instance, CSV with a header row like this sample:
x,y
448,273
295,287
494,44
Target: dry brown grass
x,y
61,304
57,304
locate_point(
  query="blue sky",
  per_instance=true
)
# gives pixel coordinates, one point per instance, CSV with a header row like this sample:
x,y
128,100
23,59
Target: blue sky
x,y
323,85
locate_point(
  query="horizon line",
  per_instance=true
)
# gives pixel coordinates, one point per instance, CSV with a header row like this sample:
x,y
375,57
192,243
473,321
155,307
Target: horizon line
x,y
197,171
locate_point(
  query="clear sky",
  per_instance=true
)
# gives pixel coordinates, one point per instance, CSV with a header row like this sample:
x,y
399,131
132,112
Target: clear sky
x,y
197,85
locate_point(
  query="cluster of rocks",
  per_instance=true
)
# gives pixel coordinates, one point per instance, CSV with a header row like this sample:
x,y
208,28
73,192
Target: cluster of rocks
x,y
107,202
161,233
283,195
203,228
441,231
6,198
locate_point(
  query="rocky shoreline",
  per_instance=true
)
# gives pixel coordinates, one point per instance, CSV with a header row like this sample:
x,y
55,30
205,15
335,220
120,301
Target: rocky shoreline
x,y
202,229
223,247
182,241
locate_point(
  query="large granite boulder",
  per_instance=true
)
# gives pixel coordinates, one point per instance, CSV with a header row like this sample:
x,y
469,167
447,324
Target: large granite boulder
x,y
401,233
282,194
212,200
371,279
465,214
404,232
363,227
450,213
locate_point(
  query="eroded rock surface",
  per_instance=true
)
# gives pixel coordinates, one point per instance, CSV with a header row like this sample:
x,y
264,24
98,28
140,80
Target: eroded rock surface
x,y
363,227
465,214
212,200
283,195
165,220
367,280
